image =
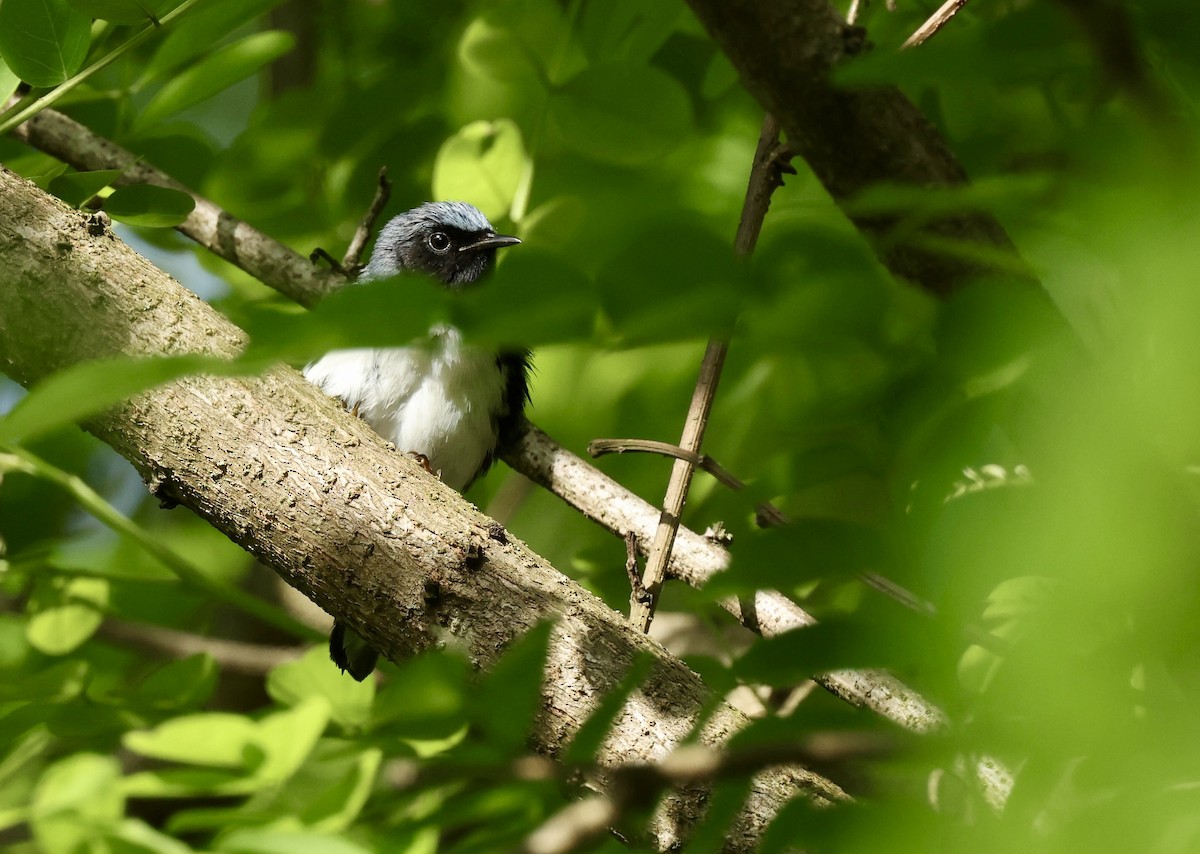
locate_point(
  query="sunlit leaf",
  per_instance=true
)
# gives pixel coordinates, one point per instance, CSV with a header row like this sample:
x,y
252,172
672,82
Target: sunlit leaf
x,y
314,675
482,164
76,799
43,41
65,613
9,81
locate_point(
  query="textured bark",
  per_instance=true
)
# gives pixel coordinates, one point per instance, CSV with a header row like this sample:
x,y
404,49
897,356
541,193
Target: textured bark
x,y
315,494
851,139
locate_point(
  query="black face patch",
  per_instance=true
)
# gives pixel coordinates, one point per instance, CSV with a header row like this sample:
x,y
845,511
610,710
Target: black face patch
x,y
450,265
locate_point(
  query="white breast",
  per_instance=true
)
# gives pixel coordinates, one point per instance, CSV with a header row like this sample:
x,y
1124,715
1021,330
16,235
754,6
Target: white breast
x,y
438,397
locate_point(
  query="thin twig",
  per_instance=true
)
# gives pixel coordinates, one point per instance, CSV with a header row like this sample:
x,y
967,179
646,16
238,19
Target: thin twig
x,y
766,173
631,567
936,21
641,611
383,192
601,447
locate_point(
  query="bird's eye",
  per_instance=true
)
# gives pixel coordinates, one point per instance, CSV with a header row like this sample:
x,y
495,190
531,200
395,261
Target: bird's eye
x,y
438,241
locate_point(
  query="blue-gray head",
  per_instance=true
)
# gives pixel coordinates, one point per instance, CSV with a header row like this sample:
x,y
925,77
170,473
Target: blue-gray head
x,y
451,241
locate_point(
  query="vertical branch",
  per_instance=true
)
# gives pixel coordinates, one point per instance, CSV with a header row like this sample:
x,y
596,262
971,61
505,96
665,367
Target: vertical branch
x,y
770,161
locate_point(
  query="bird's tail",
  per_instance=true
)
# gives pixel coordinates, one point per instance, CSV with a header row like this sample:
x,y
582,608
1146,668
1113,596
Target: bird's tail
x,y
351,653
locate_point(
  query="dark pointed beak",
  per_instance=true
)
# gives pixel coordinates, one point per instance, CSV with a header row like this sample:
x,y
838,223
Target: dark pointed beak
x,y
494,241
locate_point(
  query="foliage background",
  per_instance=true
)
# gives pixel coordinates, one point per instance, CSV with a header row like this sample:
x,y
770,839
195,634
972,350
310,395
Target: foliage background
x,y
616,141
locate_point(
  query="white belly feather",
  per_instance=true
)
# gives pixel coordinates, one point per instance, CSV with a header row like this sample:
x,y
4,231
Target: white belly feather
x,y
438,397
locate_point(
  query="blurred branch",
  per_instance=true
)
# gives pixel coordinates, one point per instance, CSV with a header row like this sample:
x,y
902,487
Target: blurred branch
x,y
935,22
236,656
1108,25
852,139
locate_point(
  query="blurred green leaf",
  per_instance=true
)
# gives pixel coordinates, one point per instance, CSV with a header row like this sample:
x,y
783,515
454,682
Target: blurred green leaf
x,y
234,754
672,281
204,27
87,388
122,11
180,684
514,686
215,72
76,799
533,299
627,114
263,841
483,164
75,188
210,739
425,698
65,612
493,52
314,675
43,42
149,206
804,550
8,81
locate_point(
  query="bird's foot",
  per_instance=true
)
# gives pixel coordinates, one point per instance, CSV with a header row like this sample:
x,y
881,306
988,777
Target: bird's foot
x,y
425,464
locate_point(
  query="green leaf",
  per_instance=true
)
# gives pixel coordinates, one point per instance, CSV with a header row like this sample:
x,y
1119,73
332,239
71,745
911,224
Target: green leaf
x,y
44,42
75,799
75,188
149,206
672,281
215,73
120,11
132,836
235,755
314,675
505,702
258,841
206,25
493,52
8,81
483,164
533,299
211,739
627,114
79,391
179,684
424,698
65,613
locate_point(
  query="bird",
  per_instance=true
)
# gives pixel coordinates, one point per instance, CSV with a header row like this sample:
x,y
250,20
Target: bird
x,y
448,403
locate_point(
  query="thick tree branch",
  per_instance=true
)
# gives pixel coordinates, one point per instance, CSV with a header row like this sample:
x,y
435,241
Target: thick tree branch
x,y
851,139
313,492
